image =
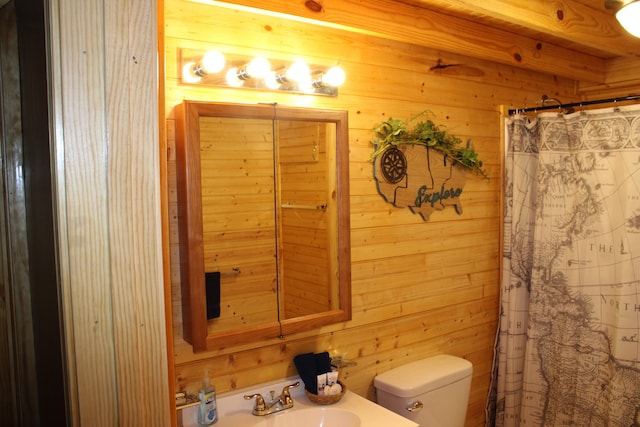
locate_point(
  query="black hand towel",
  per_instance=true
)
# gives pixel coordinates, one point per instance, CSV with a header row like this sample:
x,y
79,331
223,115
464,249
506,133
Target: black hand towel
x,y
323,363
306,366
212,283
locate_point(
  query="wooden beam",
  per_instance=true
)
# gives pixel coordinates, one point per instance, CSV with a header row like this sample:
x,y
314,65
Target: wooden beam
x,y
401,22
572,21
621,78
623,69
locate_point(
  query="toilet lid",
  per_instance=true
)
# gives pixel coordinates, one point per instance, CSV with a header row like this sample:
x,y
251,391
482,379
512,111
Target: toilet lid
x,y
422,376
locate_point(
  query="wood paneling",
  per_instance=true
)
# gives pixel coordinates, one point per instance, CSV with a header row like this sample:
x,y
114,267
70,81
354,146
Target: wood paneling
x,y
441,30
418,288
585,24
570,38
104,92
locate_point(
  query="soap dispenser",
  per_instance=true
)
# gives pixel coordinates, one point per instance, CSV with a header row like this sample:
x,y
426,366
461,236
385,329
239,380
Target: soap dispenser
x,y
207,410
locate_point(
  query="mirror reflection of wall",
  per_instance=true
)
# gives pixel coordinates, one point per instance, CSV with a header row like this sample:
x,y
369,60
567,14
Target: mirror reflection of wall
x,y
238,218
273,262
308,216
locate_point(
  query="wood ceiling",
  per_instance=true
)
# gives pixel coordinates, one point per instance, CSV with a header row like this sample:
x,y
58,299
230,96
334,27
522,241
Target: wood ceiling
x,y
588,42
581,25
577,39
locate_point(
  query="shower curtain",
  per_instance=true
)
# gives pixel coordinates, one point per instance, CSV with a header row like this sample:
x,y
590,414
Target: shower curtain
x,y
568,345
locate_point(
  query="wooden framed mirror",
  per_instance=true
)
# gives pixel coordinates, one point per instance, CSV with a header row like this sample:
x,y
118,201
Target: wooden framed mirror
x,y
263,193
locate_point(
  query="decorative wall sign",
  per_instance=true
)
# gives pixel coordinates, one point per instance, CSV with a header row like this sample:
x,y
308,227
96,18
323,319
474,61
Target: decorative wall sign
x,y
423,168
420,178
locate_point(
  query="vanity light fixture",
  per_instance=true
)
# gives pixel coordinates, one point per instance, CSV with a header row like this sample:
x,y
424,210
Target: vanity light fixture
x,y
627,13
239,71
333,77
232,78
257,68
211,62
297,72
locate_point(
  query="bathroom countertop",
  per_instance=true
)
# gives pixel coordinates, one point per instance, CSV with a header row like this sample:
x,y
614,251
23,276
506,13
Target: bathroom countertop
x,y
235,411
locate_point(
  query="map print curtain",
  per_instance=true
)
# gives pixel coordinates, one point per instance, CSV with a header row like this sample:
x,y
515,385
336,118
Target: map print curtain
x,y
568,346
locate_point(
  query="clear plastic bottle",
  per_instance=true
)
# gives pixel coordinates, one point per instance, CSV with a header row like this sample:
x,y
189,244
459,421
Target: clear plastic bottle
x,y
208,410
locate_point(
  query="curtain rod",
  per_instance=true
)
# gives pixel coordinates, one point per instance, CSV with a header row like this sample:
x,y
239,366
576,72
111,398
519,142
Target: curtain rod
x,y
575,104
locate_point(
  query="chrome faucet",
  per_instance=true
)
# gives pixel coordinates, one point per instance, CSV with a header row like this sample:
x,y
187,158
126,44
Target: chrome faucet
x,y
276,404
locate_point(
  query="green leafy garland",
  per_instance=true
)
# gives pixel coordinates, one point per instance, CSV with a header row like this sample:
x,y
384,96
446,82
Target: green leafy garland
x,y
394,132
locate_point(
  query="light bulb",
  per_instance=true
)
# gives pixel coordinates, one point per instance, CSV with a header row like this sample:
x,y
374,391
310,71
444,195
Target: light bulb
x,y
297,72
212,62
334,77
188,73
305,85
258,68
233,79
629,18
271,81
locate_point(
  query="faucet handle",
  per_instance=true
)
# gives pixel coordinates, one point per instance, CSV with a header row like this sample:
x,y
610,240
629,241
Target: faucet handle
x,y
260,405
286,395
286,388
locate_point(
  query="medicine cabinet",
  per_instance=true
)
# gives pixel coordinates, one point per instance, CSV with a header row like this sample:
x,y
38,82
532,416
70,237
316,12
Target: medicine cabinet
x,y
263,196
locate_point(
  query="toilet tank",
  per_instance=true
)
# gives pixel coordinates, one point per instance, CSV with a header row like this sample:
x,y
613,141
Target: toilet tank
x,y
432,392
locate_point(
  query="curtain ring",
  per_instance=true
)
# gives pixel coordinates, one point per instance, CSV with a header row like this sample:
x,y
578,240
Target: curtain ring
x,y
582,111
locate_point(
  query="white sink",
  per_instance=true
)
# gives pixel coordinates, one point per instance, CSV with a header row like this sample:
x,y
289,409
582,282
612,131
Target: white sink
x,y
311,417
351,411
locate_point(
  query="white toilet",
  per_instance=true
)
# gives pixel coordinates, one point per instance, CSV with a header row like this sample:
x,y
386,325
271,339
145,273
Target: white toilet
x,y
432,392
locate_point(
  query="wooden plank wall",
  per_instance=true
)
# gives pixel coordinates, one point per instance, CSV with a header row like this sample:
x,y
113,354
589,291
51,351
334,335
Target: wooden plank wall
x,y
419,288
103,80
